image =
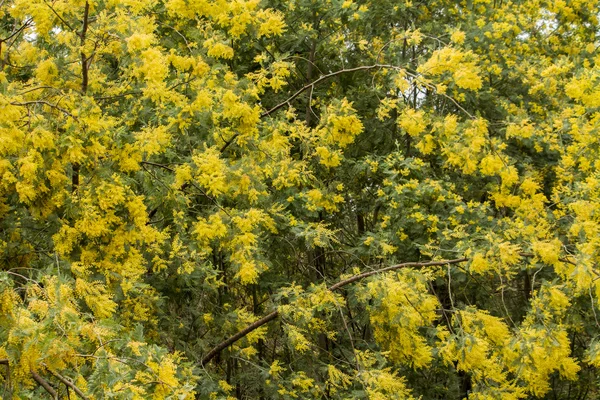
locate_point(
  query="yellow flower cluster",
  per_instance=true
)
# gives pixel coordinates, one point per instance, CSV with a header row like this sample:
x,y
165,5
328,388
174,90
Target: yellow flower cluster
x,y
401,306
462,65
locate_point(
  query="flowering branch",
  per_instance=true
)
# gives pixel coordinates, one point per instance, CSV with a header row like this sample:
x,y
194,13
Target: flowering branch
x,y
269,317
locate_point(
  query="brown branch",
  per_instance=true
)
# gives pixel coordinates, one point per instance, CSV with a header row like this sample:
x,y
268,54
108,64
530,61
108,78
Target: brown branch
x,y
343,71
305,88
25,25
227,143
393,268
69,384
38,88
6,39
232,339
321,79
163,166
85,66
84,59
44,384
269,317
361,68
15,34
75,177
59,16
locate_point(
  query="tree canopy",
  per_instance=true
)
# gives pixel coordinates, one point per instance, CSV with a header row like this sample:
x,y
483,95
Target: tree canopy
x,y
300,199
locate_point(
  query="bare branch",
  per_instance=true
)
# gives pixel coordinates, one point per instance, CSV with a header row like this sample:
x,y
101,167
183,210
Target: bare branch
x,y
59,16
25,25
84,60
302,90
269,317
344,71
69,384
316,82
393,268
85,66
232,339
44,383
37,88
212,199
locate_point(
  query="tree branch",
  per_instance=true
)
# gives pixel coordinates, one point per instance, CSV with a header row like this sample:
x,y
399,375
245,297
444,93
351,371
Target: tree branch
x,y
343,71
84,59
321,79
183,187
232,339
59,16
85,66
269,317
69,384
44,384
25,25
305,88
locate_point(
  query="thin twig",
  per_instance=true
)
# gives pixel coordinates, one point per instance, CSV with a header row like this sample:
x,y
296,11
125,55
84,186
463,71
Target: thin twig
x,y
33,102
316,82
343,71
25,25
59,17
36,88
212,199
